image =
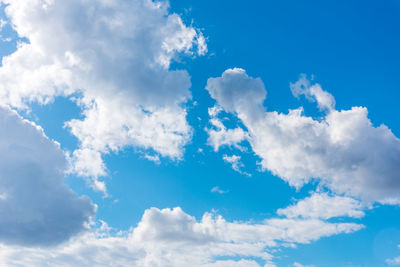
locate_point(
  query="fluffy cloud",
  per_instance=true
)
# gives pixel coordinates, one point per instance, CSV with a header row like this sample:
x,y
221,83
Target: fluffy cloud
x,y
342,149
36,207
114,57
219,135
170,237
324,207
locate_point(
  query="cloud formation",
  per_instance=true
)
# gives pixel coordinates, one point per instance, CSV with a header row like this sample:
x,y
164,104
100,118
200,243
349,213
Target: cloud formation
x,y
36,207
171,237
216,189
114,58
324,207
394,261
342,149
236,163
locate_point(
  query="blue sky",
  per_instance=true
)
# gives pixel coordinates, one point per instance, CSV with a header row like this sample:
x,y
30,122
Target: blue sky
x,y
170,123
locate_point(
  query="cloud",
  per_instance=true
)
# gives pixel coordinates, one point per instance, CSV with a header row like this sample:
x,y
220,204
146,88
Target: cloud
x,y
342,149
296,264
234,160
323,206
171,237
219,135
235,91
216,189
114,58
36,207
313,93
2,24
394,261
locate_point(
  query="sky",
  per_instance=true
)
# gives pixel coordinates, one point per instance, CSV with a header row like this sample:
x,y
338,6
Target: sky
x,y
199,133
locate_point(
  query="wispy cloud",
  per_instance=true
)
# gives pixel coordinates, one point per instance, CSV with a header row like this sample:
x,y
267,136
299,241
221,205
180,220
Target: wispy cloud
x,y
216,189
237,165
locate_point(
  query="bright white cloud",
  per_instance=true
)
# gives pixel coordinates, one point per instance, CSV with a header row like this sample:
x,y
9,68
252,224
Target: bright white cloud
x,y
36,207
170,237
114,57
342,149
324,207
219,135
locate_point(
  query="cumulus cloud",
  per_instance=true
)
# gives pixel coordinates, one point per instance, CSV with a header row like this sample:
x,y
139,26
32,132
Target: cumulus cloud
x,y
114,57
236,92
342,149
171,237
324,207
36,207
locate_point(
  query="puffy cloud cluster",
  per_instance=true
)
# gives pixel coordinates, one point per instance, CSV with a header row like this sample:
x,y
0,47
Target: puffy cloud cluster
x,y
36,207
114,58
170,237
342,149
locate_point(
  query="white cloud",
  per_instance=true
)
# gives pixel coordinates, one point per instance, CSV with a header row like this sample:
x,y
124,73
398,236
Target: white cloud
x,y
394,261
324,207
2,24
114,57
296,264
36,207
216,189
238,93
313,93
219,135
154,158
237,165
170,237
342,149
